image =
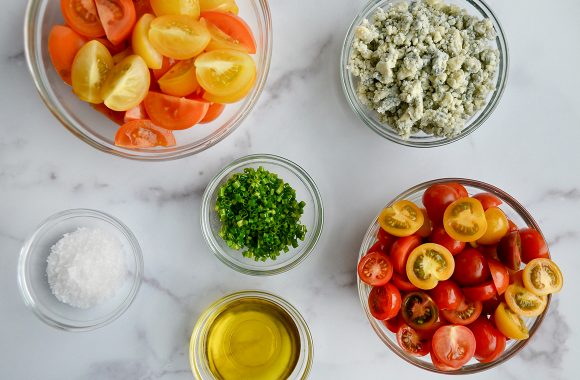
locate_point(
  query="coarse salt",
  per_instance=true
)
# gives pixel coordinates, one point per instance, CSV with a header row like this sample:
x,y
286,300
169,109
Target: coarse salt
x,y
86,267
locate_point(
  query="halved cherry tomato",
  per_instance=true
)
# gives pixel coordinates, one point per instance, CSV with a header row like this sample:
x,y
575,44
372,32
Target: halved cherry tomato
x,y
180,80
142,7
167,64
378,247
489,251
459,189
143,134
401,250
419,310
497,226
465,313
402,283
488,200
542,277
394,323
90,69
136,113
523,302
489,341
178,36
499,275
176,7
464,220
63,45
117,17
386,239
436,199
127,84
440,236
403,218
533,245
384,302
229,32
115,116
439,364
491,304
471,268
213,112
447,295
509,250
219,5
411,342
454,346
225,99
483,292
141,44
82,17
509,323
426,227
375,269
428,264
172,112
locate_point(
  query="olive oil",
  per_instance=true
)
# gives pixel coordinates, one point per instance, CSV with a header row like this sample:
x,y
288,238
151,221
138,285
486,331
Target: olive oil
x,y
253,339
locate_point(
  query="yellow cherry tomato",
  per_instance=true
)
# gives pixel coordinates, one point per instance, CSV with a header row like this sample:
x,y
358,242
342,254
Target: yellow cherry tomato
x,y
127,84
219,5
428,264
178,37
176,7
542,277
180,80
221,40
497,226
464,220
89,71
523,302
509,323
141,44
427,226
403,218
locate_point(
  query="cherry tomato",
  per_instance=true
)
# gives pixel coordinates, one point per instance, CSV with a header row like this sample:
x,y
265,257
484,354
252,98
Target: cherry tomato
x,y
141,44
497,226
509,323
178,36
176,7
517,277
419,311
213,112
542,277
465,313
489,341
499,275
403,218
219,5
489,306
386,239
402,283
512,226
117,18
143,134
142,7
82,17
509,250
447,295
489,251
439,236
533,245
401,250
459,189
436,199
464,220
167,64
378,247
172,112
454,346
428,264
136,113
180,80
90,69
375,269
63,45
127,84
229,31
488,200
439,364
427,226
471,268
481,292
523,302
394,323
411,342
384,302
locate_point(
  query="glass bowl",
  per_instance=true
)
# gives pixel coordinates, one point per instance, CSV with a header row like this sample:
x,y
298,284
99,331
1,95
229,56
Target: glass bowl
x,y
97,130
514,211
198,343
33,282
312,218
423,140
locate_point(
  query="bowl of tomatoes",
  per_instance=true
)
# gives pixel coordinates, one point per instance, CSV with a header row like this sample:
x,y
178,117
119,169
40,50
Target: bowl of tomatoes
x,y
455,276
149,79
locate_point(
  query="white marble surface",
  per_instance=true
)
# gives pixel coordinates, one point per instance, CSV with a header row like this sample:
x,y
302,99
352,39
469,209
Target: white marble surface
x,y
529,147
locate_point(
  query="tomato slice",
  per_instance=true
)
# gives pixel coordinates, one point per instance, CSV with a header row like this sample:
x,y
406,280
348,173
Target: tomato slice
x,y
482,292
440,236
136,113
180,80
384,302
176,7
542,277
117,17
497,226
213,112
63,45
401,250
533,245
177,36
82,17
509,323
143,134
440,365
141,44
229,32
219,5
419,310
509,250
403,218
523,302
375,269
167,64
411,342
172,112
489,341
447,295
436,199
428,264
464,220
402,283
464,314
488,200
127,84
90,69
499,275
454,346
394,323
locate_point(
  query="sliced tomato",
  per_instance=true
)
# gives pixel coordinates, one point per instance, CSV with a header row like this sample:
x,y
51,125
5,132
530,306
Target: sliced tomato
x,y
63,45
489,341
481,292
178,36
403,218
401,250
386,239
497,226
167,64
127,84
491,304
136,113
542,277
471,268
426,227
512,226
411,342
533,245
384,302
375,269
219,5
213,112
90,69
523,302
419,310
394,323
378,247
509,250
440,365
143,134
236,34
454,346
141,44
428,264
440,236
509,323
488,200
402,283
464,314
447,295
172,112
117,17
180,80
464,220
82,17
113,49
176,7
499,275
517,277
459,189
489,251
436,199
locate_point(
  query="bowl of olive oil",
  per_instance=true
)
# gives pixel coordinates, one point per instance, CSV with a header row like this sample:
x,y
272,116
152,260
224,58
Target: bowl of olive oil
x,y
251,335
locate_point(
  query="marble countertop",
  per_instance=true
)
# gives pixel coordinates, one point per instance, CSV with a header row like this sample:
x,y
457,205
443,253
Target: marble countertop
x,y
529,147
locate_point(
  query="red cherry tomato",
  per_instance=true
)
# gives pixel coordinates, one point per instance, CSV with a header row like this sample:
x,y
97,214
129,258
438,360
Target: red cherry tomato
x,y
439,236
499,275
375,269
436,199
459,188
481,292
377,247
439,364
512,226
384,302
386,239
454,346
489,342
489,306
489,251
533,245
447,295
470,268
466,313
394,323
488,200
411,342
427,333
509,250
402,283
401,250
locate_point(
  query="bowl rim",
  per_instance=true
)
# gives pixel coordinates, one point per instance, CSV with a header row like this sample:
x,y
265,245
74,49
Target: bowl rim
x,y
262,9
27,294
226,171
362,288
472,124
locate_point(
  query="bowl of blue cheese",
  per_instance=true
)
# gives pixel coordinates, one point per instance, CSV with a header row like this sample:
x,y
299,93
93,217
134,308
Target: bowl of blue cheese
x,y
424,73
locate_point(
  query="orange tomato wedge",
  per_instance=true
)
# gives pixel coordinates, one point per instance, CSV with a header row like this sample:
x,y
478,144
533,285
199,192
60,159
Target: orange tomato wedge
x,y
235,32
82,17
172,112
63,45
213,112
180,80
136,113
117,18
143,134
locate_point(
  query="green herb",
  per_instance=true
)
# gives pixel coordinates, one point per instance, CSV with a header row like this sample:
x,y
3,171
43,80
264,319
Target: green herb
x,y
259,213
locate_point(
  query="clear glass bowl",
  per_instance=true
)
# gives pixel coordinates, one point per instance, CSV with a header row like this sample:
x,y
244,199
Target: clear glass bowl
x,y
97,130
423,140
514,211
306,190
33,281
198,343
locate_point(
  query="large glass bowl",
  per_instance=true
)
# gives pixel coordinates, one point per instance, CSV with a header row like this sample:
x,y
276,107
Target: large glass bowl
x,y
98,131
515,212
422,140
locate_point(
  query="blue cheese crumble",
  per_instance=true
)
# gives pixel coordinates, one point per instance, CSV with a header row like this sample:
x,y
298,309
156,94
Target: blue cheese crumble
x,y
424,66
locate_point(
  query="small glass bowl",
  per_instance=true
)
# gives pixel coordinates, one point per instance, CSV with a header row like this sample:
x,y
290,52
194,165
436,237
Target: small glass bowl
x,y
312,218
33,282
423,140
515,212
97,130
198,343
